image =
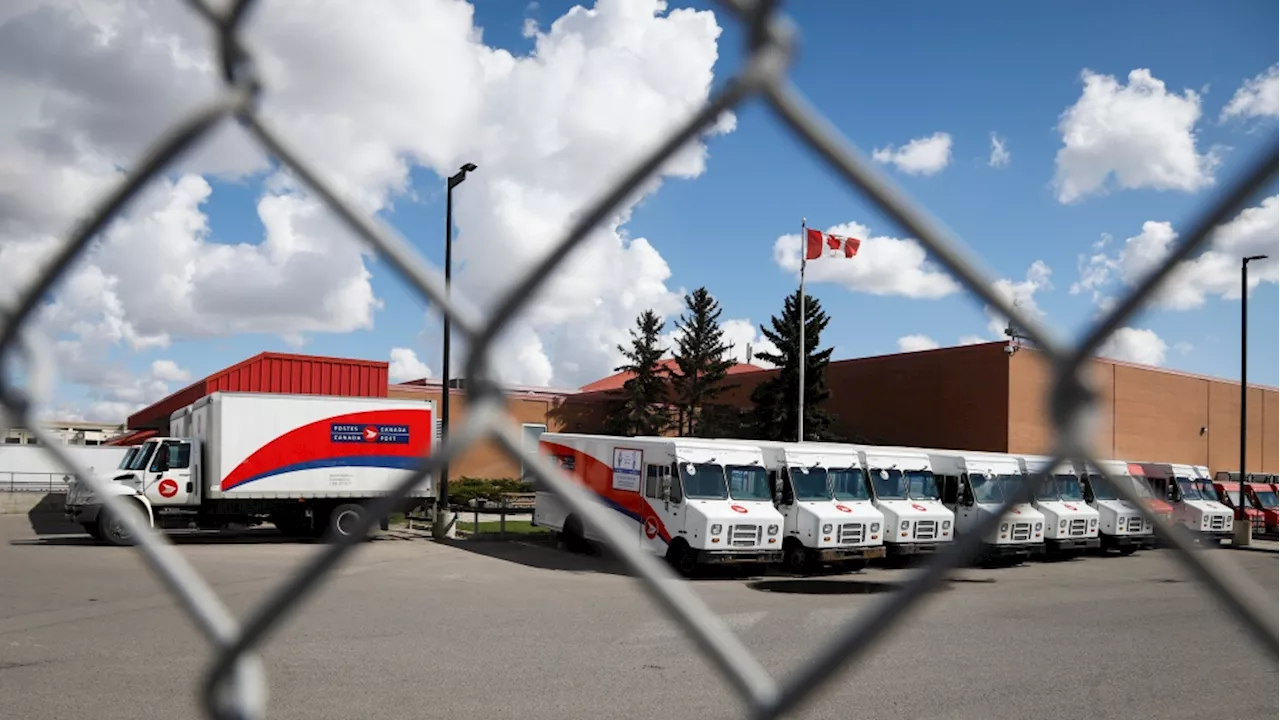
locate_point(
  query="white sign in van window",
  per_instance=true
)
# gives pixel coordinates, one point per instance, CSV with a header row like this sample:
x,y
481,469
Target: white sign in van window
x,y
626,469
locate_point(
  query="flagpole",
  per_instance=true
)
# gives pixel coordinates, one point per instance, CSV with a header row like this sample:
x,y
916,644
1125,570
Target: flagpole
x,y
804,354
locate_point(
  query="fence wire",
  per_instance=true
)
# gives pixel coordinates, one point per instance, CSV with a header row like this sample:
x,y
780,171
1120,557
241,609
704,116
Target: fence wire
x,y
235,685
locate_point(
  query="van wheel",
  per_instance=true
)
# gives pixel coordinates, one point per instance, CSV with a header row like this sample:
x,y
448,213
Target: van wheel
x,y
343,521
683,559
572,537
1128,550
797,559
93,529
112,527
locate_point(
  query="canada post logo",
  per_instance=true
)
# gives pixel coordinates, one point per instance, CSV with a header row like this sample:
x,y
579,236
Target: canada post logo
x,y
359,433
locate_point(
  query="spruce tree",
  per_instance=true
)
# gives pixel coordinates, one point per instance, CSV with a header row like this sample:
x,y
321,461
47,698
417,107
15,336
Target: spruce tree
x,y
775,400
702,360
643,410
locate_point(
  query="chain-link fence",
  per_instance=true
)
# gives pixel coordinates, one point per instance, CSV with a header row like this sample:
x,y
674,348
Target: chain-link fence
x,y
234,686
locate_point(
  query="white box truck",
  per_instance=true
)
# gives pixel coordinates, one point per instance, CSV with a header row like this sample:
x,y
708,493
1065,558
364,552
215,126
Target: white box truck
x,y
307,463
826,505
1071,524
1120,525
974,484
694,502
903,488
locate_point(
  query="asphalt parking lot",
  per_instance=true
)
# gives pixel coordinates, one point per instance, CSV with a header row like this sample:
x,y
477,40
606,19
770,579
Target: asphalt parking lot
x,y
481,629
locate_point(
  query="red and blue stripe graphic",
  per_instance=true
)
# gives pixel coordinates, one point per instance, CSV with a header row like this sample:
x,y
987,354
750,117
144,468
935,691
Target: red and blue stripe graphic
x,y
597,476
396,438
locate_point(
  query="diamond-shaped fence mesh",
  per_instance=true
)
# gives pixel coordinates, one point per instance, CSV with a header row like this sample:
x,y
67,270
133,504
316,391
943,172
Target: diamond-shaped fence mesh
x,y
234,686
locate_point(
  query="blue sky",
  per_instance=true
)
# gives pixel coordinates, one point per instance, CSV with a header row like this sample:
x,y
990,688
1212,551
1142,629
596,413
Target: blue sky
x,y
883,75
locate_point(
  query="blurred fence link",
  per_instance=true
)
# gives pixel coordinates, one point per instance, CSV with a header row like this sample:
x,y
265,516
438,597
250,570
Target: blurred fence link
x,y
235,686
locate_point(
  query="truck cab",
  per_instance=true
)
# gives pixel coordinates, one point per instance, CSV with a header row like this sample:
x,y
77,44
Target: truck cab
x,y
974,485
1071,524
904,489
1120,525
1260,501
137,478
828,514
1194,500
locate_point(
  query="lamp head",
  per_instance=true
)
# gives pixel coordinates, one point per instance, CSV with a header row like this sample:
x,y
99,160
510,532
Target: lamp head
x,y
469,167
1255,257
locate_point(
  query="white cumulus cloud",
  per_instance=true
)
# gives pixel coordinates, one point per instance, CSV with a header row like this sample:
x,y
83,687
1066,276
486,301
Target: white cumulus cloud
x,y
922,156
1259,96
883,265
915,343
1135,345
1022,295
1135,135
999,152
1214,272
357,90
405,365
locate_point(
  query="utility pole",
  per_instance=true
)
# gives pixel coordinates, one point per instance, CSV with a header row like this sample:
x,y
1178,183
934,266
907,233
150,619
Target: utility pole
x,y
443,526
1244,530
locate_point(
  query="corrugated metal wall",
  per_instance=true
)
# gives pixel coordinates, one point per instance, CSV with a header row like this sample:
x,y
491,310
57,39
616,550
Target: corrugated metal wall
x,y
275,373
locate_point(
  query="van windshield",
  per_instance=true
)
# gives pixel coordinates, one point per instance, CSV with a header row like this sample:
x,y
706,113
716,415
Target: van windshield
x,y
1207,490
848,484
810,483
1102,488
142,457
748,482
1069,487
1046,488
1190,491
921,485
889,484
993,488
1266,498
703,481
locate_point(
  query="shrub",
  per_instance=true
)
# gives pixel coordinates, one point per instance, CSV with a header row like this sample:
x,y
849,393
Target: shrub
x,y
484,490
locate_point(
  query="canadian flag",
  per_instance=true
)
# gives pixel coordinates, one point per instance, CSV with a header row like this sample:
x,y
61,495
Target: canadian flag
x,y
818,243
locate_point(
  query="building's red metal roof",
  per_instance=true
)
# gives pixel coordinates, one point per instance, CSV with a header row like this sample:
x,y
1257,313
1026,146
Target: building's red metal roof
x,y
271,372
137,437
616,381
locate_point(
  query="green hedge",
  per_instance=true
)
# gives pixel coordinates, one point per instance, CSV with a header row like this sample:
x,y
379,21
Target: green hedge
x,y
463,490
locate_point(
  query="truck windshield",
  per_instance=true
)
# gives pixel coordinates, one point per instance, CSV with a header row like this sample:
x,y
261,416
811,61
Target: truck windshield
x,y
142,457
889,484
748,482
1266,498
703,481
1069,487
921,485
848,484
1190,491
993,488
810,483
1046,488
1102,488
1207,490
128,458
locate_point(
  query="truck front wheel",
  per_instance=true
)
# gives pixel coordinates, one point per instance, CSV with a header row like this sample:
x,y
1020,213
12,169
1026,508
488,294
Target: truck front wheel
x,y
797,559
112,527
344,520
93,529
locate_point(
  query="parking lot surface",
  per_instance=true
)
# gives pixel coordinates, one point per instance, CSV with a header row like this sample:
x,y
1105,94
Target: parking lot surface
x,y
479,629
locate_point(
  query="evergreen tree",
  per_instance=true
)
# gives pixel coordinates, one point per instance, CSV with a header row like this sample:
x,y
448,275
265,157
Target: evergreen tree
x,y
643,410
702,358
775,400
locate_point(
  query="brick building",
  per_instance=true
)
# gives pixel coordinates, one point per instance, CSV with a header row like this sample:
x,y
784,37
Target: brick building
x,y
979,397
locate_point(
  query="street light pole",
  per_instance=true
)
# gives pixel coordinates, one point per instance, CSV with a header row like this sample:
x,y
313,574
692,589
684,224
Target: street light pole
x,y
442,527
1244,531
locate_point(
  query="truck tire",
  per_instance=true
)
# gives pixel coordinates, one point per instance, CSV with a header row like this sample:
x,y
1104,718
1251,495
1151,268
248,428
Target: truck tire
x,y
342,522
797,558
113,529
93,529
682,558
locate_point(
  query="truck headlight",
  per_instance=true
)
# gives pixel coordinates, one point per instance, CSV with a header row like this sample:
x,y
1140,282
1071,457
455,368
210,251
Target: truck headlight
x,y
906,524
826,529
875,527
1093,522
1004,527
773,529
1038,526
1062,525
715,529
946,524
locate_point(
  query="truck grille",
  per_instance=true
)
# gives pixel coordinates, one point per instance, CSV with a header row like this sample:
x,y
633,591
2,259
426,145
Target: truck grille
x,y
1218,522
1079,527
851,533
744,535
1021,532
1135,524
926,530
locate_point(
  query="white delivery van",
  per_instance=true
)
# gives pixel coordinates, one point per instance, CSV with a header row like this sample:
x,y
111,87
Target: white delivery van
x,y
826,506
1071,524
1120,524
306,463
974,484
689,500
1194,500
903,488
